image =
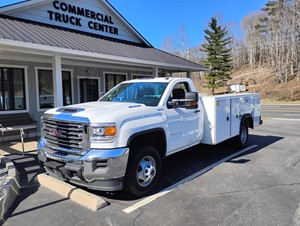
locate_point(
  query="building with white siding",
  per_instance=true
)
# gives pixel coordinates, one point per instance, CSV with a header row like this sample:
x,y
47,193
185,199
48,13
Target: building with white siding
x,y
55,53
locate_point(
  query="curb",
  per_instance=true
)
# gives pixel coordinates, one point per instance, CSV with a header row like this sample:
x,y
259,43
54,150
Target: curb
x,y
10,190
85,199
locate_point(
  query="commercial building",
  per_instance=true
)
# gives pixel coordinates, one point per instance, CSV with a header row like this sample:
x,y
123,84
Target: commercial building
x,y
55,53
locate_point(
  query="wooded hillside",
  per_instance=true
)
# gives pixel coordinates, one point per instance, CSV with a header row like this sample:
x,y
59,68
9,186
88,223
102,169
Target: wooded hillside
x,y
271,38
267,52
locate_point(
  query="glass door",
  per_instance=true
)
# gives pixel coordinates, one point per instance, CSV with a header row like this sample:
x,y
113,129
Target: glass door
x,y
88,89
67,88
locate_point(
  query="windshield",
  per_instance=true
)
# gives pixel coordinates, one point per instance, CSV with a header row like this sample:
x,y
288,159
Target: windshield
x,y
148,93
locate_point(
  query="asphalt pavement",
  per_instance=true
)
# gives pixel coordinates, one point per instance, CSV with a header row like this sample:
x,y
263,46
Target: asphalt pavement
x,y
260,185
282,111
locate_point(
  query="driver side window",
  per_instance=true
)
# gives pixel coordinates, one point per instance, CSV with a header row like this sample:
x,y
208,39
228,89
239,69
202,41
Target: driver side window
x,y
182,85
179,90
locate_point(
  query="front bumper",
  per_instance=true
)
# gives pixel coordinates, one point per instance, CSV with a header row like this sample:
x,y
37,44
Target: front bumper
x,y
98,169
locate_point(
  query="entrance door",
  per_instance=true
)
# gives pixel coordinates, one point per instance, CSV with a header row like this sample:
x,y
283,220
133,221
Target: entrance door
x,y
88,89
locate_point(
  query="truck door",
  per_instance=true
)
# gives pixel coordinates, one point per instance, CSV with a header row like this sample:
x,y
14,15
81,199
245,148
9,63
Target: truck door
x,y
183,124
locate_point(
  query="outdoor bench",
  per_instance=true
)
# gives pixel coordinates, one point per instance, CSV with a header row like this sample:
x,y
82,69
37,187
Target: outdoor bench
x,y
13,123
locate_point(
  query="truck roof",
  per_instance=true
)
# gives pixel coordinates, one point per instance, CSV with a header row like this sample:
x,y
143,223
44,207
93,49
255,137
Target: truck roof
x,y
160,79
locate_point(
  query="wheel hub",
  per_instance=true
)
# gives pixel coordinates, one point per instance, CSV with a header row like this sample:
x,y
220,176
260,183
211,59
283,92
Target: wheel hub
x,y
146,171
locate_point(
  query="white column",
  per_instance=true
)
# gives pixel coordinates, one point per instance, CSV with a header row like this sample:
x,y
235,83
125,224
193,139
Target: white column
x,y
57,81
155,72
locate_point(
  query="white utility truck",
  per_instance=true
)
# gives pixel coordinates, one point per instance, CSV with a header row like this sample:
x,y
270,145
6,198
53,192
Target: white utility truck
x,y
121,140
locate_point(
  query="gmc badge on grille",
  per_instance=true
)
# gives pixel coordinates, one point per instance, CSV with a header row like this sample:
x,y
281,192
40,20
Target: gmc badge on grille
x,y
57,133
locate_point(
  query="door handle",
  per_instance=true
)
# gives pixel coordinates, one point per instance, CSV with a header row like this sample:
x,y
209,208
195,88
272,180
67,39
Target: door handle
x,y
196,111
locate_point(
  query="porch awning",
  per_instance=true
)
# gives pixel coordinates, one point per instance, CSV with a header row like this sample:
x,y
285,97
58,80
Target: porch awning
x,y
40,37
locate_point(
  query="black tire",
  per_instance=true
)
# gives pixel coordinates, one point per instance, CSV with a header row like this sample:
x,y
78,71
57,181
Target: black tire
x,y
242,139
143,170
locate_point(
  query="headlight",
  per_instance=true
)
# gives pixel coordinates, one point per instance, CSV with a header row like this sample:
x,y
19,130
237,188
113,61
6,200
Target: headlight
x,y
103,132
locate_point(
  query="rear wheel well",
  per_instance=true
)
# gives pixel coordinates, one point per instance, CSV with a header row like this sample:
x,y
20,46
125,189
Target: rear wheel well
x,y
155,138
248,120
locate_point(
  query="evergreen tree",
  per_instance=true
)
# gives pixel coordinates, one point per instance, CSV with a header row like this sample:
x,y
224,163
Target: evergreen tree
x,y
218,55
273,13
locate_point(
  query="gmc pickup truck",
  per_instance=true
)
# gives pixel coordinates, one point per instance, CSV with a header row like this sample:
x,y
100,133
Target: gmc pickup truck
x,y
122,140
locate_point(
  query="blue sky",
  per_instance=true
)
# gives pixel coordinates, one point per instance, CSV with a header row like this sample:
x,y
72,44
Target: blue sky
x,y
157,20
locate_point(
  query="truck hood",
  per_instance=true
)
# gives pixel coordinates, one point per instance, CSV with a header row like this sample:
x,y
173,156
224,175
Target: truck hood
x,y
98,112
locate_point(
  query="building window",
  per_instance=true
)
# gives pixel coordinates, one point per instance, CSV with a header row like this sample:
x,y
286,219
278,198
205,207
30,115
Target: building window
x,y
46,91
46,94
112,80
12,88
141,76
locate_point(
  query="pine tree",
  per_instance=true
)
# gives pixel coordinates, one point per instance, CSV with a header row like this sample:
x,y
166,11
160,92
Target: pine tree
x,y
272,10
218,55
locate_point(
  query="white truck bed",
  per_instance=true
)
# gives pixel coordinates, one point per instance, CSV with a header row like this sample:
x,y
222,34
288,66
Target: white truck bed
x,y
222,115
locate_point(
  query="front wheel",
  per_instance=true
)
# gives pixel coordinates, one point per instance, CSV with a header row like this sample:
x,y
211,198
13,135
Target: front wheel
x,y
143,171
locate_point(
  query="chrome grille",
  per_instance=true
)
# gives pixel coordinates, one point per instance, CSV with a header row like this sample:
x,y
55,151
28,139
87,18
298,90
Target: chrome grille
x,y
64,136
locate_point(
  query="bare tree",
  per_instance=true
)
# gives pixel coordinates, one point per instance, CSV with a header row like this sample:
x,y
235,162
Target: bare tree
x,y
271,37
181,46
168,45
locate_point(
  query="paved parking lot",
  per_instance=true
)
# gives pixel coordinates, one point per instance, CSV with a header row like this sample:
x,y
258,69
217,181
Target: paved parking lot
x,y
259,185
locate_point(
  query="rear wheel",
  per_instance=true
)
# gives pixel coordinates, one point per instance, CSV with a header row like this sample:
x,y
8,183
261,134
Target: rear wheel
x,y
242,139
143,171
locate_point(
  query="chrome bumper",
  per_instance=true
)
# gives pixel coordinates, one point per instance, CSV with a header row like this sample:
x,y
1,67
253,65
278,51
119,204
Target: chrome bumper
x,y
98,169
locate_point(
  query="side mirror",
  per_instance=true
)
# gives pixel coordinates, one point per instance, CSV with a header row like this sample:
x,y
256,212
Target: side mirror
x,y
191,96
190,101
